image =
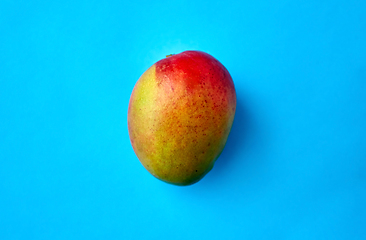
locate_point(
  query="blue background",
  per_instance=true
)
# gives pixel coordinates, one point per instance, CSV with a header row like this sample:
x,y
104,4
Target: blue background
x,y
294,166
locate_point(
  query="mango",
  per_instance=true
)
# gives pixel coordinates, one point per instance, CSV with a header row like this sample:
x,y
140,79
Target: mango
x,y
180,115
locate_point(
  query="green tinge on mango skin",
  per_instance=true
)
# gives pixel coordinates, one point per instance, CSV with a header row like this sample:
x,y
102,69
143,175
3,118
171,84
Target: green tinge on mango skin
x,y
181,172
178,134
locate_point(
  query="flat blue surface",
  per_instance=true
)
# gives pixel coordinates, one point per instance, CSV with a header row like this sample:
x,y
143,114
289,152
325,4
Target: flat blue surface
x,y
294,166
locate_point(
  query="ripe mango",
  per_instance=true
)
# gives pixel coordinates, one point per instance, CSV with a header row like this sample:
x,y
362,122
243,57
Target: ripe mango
x,y
180,114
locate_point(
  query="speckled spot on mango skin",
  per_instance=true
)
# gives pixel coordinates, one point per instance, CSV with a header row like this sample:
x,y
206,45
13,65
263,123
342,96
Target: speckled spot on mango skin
x,y
177,129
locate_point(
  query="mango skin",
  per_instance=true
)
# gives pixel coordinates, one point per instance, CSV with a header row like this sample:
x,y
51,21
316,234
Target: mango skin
x,y
180,114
